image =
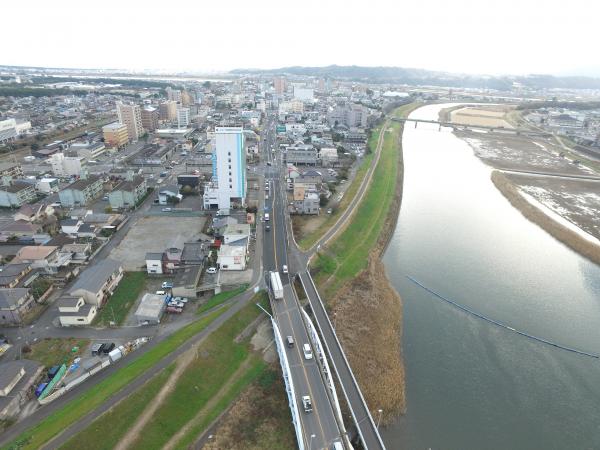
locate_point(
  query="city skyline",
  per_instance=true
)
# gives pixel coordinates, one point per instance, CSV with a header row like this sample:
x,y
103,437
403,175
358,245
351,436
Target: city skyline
x,y
465,37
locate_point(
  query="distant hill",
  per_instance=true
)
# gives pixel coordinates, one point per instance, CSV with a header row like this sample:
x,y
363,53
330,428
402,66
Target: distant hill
x,y
382,74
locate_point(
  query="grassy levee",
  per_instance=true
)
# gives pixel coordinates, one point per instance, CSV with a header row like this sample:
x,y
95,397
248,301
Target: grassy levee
x,y
351,278
220,298
311,238
52,425
105,432
122,299
207,385
348,254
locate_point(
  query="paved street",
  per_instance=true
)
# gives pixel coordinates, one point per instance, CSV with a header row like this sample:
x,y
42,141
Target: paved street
x,y
319,426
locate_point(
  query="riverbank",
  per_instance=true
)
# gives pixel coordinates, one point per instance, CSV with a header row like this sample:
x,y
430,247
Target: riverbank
x,y
366,309
563,234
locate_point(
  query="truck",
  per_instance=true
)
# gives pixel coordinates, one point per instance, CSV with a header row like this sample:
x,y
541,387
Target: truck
x,y
115,355
276,286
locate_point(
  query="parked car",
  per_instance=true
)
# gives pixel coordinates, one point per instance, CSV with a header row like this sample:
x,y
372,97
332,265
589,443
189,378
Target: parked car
x,y
290,341
167,285
96,349
307,351
167,210
160,292
108,347
306,403
284,268
174,310
211,270
329,210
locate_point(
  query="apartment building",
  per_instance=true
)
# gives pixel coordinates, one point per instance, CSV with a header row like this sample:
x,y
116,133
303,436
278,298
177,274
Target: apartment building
x,y
65,166
149,118
115,135
17,194
183,117
128,193
81,192
131,116
167,111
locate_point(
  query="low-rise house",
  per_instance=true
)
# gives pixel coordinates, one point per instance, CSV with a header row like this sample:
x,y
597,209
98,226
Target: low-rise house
x,y
306,201
186,281
74,311
236,232
17,379
168,194
221,223
79,252
12,274
310,177
128,194
16,194
154,263
20,229
45,257
70,226
329,156
14,304
232,257
81,192
98,282
172,259
194,254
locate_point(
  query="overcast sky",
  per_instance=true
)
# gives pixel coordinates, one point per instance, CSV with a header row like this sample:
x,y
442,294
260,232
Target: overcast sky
x,y
500,37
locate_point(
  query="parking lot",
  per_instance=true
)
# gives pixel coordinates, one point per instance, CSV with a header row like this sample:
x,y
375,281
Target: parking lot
x,y
149,234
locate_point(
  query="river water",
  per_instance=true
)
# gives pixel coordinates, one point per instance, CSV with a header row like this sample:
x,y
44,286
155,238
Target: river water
x,y
469,383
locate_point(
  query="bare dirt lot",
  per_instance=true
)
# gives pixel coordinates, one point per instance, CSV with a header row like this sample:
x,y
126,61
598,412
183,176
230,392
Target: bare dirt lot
x,y
489,116
514,152
578,201
155,234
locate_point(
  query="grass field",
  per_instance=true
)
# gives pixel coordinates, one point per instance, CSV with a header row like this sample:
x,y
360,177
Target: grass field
x,y
221,297
105,432
348,253
122,299
53,351
206,386
92,398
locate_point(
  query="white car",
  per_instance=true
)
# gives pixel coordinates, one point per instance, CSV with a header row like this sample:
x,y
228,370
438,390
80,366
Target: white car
x,y
160,292
307,351
284,268
211,270
306,403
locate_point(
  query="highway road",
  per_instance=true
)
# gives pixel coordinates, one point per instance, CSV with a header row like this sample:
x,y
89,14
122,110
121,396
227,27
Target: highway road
x,y
320,427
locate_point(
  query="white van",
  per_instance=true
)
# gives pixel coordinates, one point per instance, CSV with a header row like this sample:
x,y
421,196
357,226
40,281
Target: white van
x,y
307,351
266,217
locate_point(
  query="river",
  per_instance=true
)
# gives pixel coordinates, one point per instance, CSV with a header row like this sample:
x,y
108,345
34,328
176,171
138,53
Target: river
x,y
471,384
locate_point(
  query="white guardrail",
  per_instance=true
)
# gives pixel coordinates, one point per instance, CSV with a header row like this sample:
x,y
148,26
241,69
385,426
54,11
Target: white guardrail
x,y
369,417
314,337
289,385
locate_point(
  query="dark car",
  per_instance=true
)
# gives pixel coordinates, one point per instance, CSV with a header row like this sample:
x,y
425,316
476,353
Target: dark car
x,y
108,347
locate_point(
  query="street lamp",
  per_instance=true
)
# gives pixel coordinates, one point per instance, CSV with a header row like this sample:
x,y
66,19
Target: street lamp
x,y
312,436
335,321
380,411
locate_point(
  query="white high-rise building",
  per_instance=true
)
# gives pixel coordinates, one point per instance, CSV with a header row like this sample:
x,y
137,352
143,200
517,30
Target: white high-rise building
x,y
131,116
229,170
183,117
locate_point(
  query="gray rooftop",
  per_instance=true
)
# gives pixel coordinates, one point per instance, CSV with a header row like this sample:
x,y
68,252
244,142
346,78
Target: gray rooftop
x,y
9,298
151,306
94,277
